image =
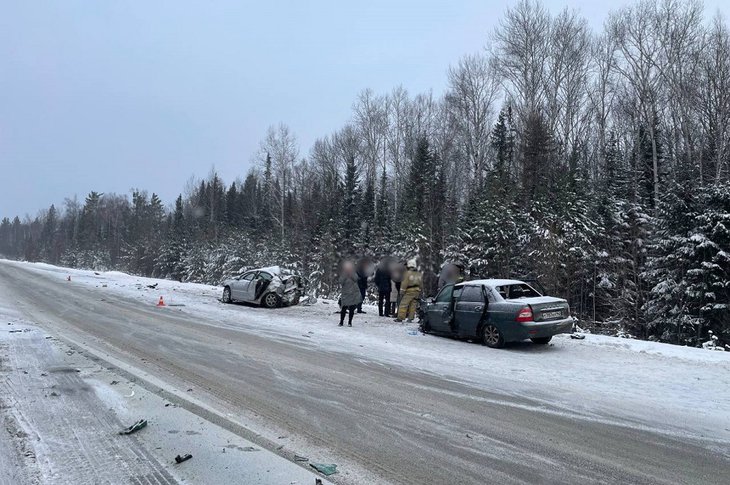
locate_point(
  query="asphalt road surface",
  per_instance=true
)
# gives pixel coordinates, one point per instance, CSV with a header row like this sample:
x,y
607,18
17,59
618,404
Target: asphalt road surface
x,y
391,425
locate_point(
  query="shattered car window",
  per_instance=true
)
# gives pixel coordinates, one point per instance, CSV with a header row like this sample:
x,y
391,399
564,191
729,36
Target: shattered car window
x,y
521,290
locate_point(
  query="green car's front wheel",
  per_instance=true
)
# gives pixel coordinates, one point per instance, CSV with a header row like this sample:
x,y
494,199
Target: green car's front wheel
x,y
227,295
492,337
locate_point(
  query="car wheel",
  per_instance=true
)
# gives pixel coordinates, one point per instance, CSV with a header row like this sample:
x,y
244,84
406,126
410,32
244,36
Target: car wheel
x,y
227,295
492,337
541,340
271,300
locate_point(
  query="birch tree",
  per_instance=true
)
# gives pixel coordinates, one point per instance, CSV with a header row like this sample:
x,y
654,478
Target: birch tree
x,y
280,145
474,90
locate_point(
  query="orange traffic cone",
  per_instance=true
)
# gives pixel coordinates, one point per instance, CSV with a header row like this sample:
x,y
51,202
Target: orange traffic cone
x,y
161,302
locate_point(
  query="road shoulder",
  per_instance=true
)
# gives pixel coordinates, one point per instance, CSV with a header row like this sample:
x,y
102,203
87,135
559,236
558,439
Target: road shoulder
x,y
61,411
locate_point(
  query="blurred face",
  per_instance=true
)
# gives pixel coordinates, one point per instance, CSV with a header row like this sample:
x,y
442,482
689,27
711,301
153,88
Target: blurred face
x,y
348,267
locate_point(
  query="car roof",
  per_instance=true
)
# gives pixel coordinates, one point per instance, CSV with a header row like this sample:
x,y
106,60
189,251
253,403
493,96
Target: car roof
x,y
492,283
275,270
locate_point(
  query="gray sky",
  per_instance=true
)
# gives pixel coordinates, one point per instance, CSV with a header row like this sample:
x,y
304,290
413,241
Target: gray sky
x,y
110,95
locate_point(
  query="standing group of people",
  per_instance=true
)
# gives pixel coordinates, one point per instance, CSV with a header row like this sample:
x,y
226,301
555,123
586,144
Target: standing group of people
x,y
399,288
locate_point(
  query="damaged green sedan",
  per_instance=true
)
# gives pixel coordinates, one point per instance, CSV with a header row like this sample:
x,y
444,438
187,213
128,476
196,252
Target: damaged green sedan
x,y
496,311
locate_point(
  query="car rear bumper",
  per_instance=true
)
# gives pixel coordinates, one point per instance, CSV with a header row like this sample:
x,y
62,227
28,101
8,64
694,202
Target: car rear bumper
x,y
544,329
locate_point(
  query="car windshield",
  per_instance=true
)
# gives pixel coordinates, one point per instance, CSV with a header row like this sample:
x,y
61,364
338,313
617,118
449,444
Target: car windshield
x,y
517,290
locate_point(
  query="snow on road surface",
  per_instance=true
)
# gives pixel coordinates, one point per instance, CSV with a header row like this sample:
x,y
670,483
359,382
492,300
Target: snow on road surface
x,y
678,392
61,411
661,387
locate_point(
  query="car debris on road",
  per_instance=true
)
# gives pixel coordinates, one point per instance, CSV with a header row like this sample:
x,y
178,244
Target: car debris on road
x,y
179,459
326,469
142,423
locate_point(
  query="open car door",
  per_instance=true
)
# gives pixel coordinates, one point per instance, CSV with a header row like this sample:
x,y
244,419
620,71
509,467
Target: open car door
x,y
469,309
439,312
260,284
240,286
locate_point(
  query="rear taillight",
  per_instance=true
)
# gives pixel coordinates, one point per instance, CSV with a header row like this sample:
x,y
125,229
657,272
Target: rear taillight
x,y
525,315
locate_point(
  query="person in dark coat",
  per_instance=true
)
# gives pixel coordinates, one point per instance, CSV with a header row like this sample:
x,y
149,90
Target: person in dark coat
x,y
382,282
397,273
351,296
451,273
393,298
363,273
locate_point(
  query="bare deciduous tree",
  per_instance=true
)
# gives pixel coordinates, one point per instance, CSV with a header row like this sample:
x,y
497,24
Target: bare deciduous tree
x,y
566,79
471,99
601,95
633,29
281,145
714,83
522,49
371,121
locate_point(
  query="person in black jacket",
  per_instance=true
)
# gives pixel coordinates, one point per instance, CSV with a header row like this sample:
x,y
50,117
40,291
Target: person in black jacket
x,y
363,273
382,282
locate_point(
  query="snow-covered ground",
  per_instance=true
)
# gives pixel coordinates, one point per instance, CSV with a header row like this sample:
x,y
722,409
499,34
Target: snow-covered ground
x,y
61,410
664,388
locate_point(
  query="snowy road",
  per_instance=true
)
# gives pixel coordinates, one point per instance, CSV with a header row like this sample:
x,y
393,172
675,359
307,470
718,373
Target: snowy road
x,y
388,406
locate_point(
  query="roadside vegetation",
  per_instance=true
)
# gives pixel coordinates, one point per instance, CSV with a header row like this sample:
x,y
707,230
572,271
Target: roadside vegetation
x,y
597,162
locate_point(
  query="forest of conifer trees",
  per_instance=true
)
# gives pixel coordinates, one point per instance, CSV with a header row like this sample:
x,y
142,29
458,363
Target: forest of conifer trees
x,y
597,162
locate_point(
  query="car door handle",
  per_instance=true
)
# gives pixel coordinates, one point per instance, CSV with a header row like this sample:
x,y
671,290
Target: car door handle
x,y
478,308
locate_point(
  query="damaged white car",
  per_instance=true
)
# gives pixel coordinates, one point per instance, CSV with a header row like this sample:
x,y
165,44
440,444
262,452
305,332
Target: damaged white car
x,y
269,287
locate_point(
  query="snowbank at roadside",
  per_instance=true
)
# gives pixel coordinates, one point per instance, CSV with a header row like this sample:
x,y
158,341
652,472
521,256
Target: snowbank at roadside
x,y
658,348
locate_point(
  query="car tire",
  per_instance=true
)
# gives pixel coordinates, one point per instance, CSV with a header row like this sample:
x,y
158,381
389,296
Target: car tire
x,y
492,337
270,300
541,340
227,295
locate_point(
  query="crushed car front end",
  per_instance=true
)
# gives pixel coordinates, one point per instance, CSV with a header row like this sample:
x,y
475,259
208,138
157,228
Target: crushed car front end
x,y
287,286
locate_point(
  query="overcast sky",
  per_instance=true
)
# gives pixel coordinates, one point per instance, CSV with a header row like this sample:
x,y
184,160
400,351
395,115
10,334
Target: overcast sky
x,y
109,95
